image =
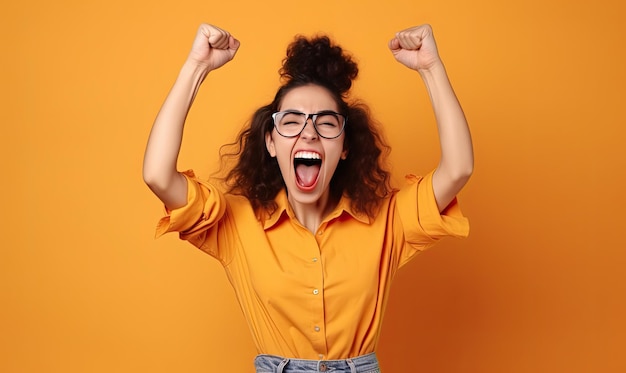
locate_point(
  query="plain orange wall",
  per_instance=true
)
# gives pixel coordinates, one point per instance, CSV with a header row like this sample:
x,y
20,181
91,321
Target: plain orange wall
x,y
538,287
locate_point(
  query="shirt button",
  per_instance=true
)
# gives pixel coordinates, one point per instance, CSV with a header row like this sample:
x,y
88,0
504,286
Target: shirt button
x,y
320,233
317,328
321,356
315,291
314,260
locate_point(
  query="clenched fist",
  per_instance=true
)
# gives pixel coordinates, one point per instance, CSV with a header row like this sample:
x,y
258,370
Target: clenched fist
x,y
415,48
213,47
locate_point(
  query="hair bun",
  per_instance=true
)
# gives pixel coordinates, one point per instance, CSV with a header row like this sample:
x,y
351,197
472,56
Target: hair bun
x,y
318,60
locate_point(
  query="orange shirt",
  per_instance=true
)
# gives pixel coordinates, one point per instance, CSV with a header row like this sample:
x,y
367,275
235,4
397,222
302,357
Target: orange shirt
x,y
305,295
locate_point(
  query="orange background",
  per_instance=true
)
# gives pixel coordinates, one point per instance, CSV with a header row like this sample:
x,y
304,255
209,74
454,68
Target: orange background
x,y
538,287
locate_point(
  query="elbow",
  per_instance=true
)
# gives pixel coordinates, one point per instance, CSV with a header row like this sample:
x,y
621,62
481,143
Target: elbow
x,y
459,171
459,176
154,179
463,175
149,176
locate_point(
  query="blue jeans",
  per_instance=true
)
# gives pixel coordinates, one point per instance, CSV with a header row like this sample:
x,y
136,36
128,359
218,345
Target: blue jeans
x,y
276,364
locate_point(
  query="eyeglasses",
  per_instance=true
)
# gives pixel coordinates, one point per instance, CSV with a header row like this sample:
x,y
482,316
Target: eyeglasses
x,y
328,124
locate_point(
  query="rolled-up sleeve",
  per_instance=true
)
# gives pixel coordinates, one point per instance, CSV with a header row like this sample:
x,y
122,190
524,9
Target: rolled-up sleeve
x,y
205,206
422,223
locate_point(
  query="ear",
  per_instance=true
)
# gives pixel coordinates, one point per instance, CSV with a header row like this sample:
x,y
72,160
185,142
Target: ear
x,y
344,154
269,144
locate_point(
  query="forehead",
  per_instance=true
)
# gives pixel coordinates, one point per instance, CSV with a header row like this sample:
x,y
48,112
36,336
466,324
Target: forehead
x,y
309,98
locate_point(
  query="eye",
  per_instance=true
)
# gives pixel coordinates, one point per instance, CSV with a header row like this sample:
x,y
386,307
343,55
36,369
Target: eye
x,y
291,119
327,120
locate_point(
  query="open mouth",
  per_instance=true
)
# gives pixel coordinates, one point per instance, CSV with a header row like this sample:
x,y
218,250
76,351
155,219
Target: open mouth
x,y
307,166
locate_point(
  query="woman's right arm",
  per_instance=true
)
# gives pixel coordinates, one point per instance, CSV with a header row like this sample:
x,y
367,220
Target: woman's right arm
x,y
211,49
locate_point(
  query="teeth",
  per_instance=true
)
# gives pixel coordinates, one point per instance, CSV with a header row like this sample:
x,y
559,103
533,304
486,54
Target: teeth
x,y
307,155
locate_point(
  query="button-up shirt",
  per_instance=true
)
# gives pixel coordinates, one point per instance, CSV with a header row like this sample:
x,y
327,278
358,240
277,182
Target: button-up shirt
x,y
314,295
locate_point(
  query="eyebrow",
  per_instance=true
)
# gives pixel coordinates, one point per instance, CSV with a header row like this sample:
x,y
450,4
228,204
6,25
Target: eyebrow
x,y
325,111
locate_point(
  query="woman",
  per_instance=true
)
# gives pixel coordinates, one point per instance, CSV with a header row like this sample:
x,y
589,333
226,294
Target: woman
x,y
310,233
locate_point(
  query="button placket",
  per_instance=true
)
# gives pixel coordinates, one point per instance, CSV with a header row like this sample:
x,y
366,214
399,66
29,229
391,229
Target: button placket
x,y
318,337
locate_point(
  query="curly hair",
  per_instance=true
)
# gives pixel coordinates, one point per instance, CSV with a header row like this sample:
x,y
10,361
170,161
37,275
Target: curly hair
x,y
361,177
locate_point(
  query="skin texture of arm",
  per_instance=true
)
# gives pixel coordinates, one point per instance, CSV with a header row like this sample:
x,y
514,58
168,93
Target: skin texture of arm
x,y
416,49
211,49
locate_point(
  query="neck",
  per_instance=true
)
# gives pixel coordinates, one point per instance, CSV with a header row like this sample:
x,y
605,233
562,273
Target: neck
x,y
311,215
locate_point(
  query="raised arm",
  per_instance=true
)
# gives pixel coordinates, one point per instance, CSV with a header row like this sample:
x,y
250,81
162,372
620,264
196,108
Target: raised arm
x,y
211,49
416,49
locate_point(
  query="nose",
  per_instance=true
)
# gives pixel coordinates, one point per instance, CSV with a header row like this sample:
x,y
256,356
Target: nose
x,y
309,130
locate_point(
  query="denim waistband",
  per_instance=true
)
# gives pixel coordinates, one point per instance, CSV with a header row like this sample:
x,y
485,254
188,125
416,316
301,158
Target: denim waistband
x,y
276,364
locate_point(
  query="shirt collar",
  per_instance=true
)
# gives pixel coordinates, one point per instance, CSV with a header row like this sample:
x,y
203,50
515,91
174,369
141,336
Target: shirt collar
x,y
284,208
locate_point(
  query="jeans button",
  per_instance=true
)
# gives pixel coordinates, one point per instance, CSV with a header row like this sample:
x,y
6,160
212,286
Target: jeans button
x,y
323,367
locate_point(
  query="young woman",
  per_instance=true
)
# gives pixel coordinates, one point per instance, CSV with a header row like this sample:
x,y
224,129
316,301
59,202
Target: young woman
x,y
309,231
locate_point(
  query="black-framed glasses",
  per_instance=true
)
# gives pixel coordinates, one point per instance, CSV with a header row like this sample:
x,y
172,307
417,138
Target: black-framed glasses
x,y
328,124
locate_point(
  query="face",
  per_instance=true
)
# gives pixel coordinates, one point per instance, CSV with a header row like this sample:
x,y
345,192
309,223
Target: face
x,y
307,162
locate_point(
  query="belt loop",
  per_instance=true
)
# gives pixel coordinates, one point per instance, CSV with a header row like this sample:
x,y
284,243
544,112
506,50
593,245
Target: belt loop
x,y
352,366
281,366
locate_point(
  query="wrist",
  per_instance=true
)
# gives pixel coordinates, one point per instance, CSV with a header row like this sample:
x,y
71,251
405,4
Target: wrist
x,y
434,73
195,70
434,68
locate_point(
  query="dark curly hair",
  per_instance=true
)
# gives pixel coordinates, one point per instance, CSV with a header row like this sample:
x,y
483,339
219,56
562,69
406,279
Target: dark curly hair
x,y
361,176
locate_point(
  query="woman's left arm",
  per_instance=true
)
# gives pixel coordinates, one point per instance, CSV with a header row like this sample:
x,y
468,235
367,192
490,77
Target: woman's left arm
x,y
416,49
